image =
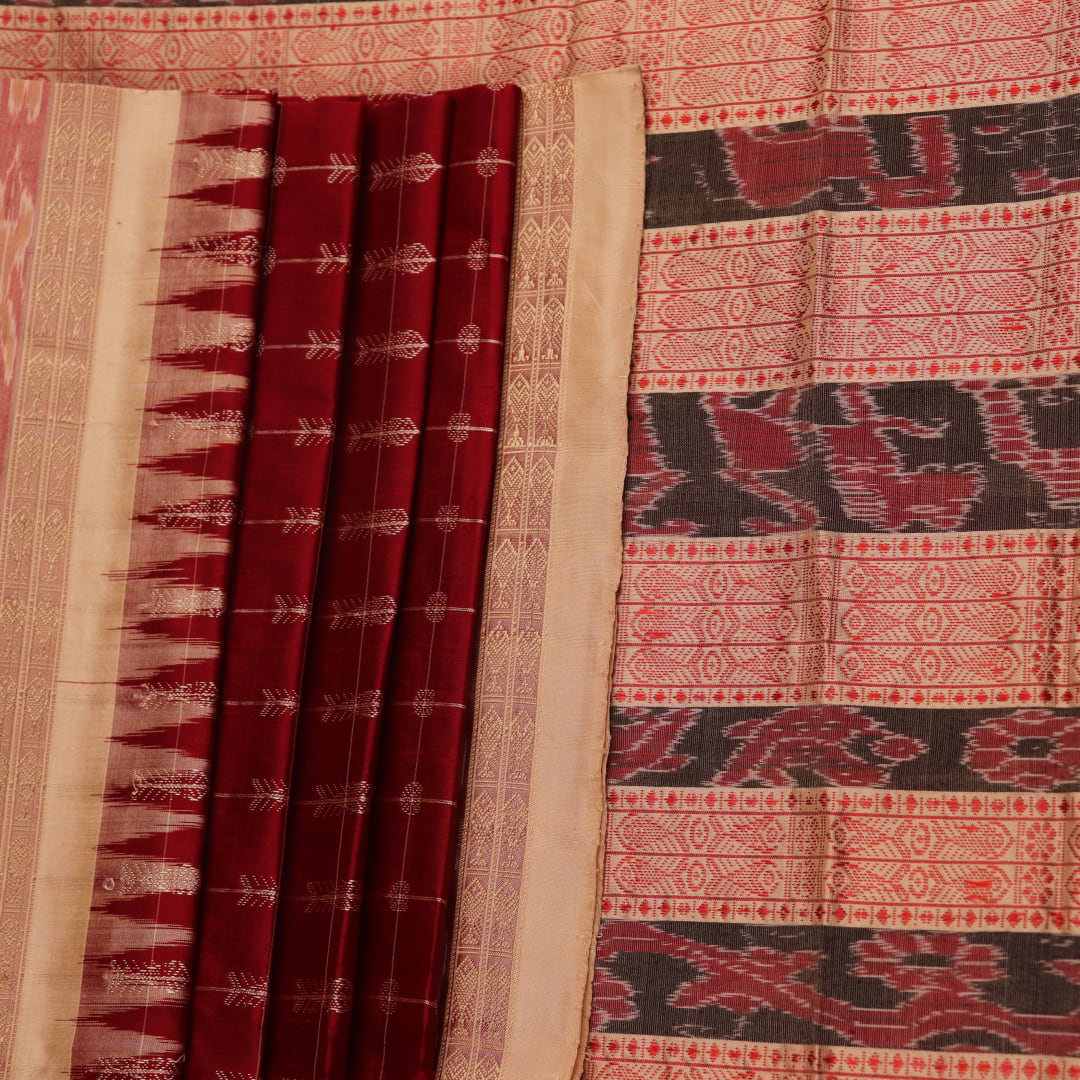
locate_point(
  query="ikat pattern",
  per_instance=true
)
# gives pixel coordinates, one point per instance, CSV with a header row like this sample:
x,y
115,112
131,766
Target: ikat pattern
x,y
894,457
953,157
815,746
910,989
793,759
23,118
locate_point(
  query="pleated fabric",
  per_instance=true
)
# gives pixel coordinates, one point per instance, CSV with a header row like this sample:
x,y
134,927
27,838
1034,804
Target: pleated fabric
x,y
304,305
373,482
416,809
245,399
255,369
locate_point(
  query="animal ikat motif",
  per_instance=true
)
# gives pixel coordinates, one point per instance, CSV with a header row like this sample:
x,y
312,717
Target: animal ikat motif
x,y
896,457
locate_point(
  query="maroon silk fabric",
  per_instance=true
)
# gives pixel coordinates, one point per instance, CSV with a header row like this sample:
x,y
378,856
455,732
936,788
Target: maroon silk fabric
x,y
344,714
303,312
372,488
415,812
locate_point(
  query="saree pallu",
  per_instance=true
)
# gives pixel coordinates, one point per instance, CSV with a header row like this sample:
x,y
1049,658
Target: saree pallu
x,y
304,304
266,884
844,744
127,396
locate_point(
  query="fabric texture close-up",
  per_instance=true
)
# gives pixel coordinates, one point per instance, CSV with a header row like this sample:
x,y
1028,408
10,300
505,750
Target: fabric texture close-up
x,y
688,694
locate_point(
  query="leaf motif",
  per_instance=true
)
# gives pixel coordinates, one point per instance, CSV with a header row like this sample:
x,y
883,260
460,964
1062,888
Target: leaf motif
x,y
269,795
290,608
343,169
400,345
257,890
411,169
378,611
398,431
314,431
325,345
383,522
334,258
246,990
303,519
231,249
407,259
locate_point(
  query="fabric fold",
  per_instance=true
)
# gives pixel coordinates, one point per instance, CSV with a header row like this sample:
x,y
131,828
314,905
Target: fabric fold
x,y
373,483
306,264
532,839
414,819
265,605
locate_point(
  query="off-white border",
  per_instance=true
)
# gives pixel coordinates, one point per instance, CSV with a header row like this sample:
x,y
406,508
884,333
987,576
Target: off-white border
x,y
560,890
63,889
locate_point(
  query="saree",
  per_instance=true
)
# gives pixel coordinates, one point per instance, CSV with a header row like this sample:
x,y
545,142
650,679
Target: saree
x,y
127,390
268,763
843,743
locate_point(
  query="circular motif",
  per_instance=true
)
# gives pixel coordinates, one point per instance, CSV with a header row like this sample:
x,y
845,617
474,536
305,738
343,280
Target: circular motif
x,y
1034,748
476,258
487,161
411,794
468,339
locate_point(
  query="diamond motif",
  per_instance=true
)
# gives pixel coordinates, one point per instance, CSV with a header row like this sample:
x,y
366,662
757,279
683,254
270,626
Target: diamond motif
x,y
478,255
457,428
435,608
398,897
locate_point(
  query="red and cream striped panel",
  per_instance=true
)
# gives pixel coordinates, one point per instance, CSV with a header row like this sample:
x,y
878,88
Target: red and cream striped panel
x,y
706,62
861,297
844,856
941,620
